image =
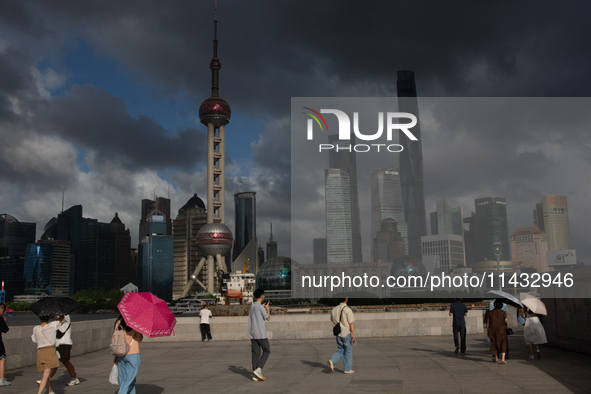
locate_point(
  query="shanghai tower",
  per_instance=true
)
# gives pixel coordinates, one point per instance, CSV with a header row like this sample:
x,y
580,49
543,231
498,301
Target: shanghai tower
x,y
411,166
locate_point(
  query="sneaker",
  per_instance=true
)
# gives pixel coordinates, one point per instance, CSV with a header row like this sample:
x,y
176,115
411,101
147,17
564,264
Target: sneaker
x,y
4,382
330,366
531,357
38,381
457,349
259,374
351,371
73,382
254,378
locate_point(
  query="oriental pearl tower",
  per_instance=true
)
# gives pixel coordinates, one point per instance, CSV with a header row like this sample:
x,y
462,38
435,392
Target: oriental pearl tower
x,y
214,239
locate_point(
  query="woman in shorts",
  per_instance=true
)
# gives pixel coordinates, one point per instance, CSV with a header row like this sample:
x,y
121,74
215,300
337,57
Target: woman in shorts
x,y
47,361
3,329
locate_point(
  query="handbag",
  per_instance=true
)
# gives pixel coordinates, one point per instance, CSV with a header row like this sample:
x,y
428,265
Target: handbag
x,y
114,375
59,334
336,330
509,331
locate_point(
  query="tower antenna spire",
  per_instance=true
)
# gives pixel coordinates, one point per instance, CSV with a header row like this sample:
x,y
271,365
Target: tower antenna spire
x,y
215,64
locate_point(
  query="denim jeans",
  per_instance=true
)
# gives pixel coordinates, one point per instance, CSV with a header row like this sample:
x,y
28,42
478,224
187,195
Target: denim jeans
x,y
129,366
345,351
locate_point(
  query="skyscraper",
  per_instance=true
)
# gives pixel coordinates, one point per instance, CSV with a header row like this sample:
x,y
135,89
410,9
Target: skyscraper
x,y
47,268
245,230
449,248
388,244
271,246
159,205
339,245
457,217
411,166
346,161
442,218
555,221
14,238
155,254
471,240
191,217
386,202
491,213
122,248
539,216
529,246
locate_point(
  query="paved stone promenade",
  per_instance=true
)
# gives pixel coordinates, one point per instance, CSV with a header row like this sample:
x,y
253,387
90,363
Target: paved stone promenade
x,y
382,365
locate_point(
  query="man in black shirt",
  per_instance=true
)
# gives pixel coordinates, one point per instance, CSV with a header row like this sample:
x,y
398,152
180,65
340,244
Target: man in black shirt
x,y
458,310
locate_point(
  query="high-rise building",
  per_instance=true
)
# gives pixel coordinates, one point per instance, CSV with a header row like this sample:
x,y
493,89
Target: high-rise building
x,y
159,206
442,219
47,268
388,243
271,246
529,246
319,252
539,216
245,228
449,248
191,217
346,161
411,166
491,213
457,217
261,252
339,245
156,257
14,238
554,221
96,263
386,202
122,247
471,240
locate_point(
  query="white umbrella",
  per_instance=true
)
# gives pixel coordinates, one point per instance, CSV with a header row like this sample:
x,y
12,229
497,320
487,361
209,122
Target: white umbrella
x,y
534,304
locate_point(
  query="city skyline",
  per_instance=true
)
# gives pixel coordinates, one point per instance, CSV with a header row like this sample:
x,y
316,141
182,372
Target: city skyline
x,y
112,100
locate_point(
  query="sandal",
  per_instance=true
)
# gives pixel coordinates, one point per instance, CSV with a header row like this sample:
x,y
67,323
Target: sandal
x,y
503,362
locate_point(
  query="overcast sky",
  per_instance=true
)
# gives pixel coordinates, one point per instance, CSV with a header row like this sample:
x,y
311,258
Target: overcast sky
x,y
99,99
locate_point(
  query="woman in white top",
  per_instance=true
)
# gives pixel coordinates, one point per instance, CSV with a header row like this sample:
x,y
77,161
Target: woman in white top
x,y
533,333
63,341
47,361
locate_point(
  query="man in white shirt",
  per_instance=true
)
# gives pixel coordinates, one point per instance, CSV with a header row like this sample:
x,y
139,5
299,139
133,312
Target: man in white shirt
x,y
205,314
343,315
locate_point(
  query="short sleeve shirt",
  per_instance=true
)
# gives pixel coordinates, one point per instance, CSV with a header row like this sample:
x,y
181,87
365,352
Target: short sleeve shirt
x,y
458,310
347,318
205,315
256,321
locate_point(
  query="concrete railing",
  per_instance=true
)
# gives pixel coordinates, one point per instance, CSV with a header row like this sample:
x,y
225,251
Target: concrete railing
x,y
316,326
88,336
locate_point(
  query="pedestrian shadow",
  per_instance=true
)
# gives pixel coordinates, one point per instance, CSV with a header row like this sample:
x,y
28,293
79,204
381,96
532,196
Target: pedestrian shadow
x,y
10,376
147,389
240,371
474,356
316,365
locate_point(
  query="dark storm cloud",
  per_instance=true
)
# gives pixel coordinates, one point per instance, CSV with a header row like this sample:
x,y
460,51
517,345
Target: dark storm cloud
x,y
96,120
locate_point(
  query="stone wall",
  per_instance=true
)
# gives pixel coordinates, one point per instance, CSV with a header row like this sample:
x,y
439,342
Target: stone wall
x,y
316,326
88,336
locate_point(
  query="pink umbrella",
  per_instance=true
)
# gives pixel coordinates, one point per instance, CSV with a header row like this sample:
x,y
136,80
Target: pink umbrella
x,y
148,314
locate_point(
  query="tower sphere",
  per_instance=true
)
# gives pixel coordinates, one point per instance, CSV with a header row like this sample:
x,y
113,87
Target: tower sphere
x,y
215,110
214,239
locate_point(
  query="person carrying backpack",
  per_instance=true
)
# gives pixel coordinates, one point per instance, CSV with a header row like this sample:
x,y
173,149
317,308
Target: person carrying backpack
x,y
126,349
344,329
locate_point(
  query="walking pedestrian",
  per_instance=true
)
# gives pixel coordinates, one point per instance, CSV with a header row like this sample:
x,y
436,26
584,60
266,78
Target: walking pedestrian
x,y
533,333
258,315
129,364
3,329
47,361
459,310
205,315
343,316
497,332
63,341
505,310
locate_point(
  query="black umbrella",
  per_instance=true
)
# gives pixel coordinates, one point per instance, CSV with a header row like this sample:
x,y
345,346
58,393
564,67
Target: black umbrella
x,y
49,306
